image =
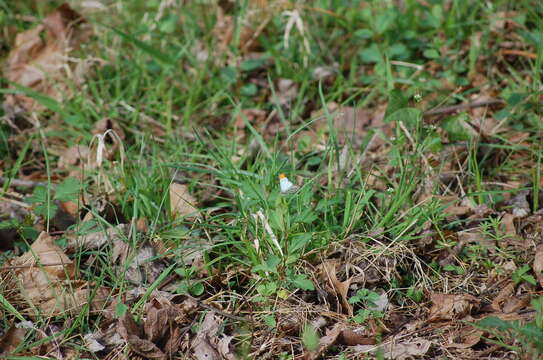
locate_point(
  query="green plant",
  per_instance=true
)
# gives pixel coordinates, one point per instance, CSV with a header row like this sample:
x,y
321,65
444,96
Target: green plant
x,y
368,301
42,200
190,286
530,335
521,274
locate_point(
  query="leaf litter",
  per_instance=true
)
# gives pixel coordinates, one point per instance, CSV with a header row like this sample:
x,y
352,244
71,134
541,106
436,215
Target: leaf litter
x,y
45,65
159,325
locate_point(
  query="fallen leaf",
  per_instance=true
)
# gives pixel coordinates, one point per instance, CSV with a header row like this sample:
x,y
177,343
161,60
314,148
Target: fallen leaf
x,y
341,288
223,348
538,264
160,324
204,345
43,65
515,304
92,343
253,116
508,221
324,73
12,338
504,293
520,204
181,202
450,306
96,239
133,334
287,91
398,351
325,342
144,267
465,338
46,278
73,156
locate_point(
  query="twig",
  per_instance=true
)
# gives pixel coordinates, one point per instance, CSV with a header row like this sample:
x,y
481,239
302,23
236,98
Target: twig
x,y
24,183
471,105
220,312
527,54
32,265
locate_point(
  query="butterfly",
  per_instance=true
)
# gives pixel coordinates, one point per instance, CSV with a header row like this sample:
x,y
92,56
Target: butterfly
x,y
286,186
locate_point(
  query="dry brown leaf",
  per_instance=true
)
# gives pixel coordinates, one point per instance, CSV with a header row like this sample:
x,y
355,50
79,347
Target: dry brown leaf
x,y
144,266
44,65
253,116
538,264
46,280
252,24
504,293
70,207
181,201
326,341
464,338
133,334
399,351
508,221
142,225
341,288
160,324
11,339
515,304
286,93
224,348
458,210
73,156
451,306
204,345
97,239
92,344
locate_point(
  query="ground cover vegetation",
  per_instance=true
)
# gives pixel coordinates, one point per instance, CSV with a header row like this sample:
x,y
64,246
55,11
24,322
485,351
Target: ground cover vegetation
x,y
142,145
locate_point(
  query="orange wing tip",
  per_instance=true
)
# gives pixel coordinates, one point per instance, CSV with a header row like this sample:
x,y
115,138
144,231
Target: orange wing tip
x,y
282,176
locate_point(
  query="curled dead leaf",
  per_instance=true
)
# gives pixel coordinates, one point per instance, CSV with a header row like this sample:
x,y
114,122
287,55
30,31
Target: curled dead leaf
x,y
44,65
465,338
451,306
181,201
97,239
341,288
204,345
133,335
538,264
399,351
11,339
46,279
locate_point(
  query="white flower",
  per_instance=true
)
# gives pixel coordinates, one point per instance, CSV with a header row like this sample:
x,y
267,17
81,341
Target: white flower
x,y
286,186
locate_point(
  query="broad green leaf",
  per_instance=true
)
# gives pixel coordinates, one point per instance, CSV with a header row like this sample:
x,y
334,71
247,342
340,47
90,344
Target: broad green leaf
x,y
410,117
310,338
120,310
303,283
396,101
455,129
298,241
39,195
68,189
494,322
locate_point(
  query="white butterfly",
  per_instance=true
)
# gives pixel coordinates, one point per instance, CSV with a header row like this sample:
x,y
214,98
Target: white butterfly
x,y
286,186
